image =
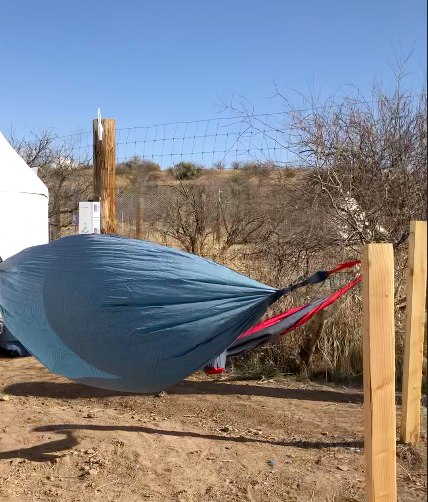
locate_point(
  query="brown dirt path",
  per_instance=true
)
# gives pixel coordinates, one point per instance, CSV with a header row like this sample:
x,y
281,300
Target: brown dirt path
x,y
202,441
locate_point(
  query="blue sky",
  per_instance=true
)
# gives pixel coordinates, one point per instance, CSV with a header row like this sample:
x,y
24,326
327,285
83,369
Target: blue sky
x,y
154,61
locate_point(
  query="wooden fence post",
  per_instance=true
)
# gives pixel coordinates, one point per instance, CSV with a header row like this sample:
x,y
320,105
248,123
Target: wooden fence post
x,y
379,374
415,333
105,173
139,217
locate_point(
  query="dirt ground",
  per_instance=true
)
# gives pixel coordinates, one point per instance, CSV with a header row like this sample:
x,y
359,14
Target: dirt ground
x,y
204,440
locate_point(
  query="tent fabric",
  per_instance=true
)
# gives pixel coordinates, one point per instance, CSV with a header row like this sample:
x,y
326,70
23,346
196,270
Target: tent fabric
x,y
267,331
15,175
124,314
23,204
10,344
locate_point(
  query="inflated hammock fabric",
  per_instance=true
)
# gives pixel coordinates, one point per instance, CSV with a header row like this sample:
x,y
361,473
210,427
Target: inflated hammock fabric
x,y
124,314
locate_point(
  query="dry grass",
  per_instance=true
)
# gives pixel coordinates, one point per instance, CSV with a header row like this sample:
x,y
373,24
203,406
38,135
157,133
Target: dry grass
x,y
338,355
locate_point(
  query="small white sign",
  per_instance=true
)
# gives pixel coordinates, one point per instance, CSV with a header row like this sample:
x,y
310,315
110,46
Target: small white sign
x,y
100,126
89,218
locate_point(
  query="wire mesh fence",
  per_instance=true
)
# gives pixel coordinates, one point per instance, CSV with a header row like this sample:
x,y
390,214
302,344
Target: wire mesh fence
x,y
220,154
208,146
212,143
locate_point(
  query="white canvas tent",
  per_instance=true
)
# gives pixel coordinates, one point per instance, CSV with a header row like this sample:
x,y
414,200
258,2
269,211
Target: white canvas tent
x,y
23,204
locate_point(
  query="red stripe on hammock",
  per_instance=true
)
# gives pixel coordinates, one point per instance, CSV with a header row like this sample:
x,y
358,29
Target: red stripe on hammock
x,y
214,371
329,301
271,321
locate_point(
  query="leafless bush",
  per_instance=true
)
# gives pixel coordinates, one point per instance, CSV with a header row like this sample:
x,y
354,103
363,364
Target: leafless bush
x,y
369,163
241,219
219,164
68,181
364,178
188,217
366,160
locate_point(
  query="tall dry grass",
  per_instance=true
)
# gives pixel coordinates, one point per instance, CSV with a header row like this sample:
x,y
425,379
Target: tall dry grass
x,y
338,355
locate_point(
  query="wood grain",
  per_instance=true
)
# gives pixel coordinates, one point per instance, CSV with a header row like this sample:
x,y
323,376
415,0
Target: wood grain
x,y
415,333
379,373
105,173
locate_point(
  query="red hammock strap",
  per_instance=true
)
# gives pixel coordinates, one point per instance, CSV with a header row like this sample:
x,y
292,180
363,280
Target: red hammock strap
x,y
344,266
318,277
326,303
329,301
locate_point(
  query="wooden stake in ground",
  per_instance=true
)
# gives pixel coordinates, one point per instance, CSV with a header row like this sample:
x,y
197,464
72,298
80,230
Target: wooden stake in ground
x,y
140,216
105,173
415,331
379,374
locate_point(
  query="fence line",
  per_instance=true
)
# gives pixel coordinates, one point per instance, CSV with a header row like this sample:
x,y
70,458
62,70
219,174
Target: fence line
x,y
209,143
245,136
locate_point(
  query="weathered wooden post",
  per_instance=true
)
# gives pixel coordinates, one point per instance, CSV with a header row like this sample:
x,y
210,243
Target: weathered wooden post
x,y
139,217
105,173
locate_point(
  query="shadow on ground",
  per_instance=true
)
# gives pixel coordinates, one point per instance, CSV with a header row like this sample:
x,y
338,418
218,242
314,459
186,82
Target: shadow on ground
x,y
45,452
76,391
48,451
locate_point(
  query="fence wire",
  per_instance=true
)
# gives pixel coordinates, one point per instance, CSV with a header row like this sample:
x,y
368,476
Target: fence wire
x,y
242,137
208,143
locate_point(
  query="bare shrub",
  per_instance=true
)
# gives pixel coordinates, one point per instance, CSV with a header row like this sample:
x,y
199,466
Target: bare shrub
x,y
364,178
369,163
188,217
242,220
68,180
220,165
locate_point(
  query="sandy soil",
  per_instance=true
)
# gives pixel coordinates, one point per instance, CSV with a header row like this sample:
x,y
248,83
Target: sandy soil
x,y
202,441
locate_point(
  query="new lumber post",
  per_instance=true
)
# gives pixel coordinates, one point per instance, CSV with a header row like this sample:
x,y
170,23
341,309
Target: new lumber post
x,y
379,374
415,333
105,173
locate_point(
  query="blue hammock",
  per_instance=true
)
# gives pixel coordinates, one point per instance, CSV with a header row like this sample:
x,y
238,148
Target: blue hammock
x,y
124,314
132,316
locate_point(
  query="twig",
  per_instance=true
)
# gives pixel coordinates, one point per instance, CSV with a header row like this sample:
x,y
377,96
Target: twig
x,y
127,488
313,493
407,472
218,460
108,484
